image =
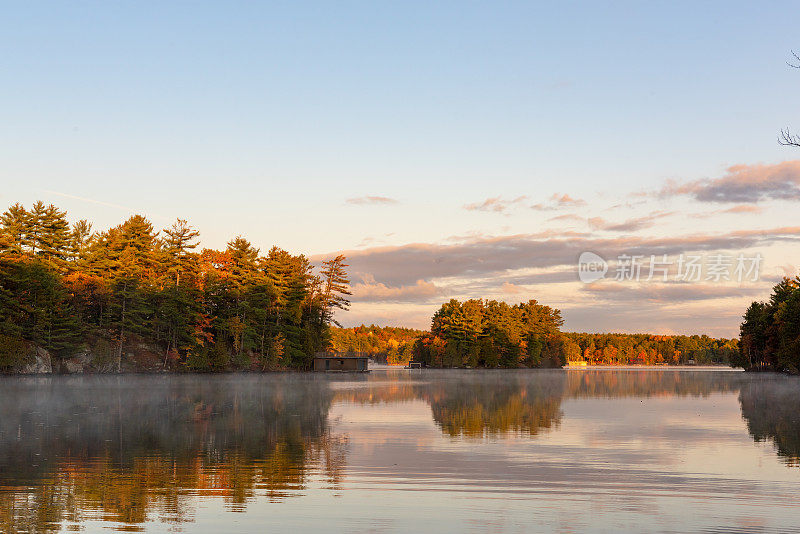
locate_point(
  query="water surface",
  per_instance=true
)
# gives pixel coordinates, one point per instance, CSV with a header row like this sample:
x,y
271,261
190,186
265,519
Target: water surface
x,y
606,450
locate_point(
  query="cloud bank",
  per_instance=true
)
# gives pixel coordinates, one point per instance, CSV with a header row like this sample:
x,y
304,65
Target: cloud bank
x,y
743,184
404,265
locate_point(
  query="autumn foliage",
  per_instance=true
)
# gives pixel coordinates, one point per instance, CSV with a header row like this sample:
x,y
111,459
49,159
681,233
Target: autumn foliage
x,y
478,333
390,345
68,289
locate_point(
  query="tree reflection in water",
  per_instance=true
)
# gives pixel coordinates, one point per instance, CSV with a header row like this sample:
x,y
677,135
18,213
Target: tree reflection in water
x,y
118,449
131,449
637,382
478,406
771,408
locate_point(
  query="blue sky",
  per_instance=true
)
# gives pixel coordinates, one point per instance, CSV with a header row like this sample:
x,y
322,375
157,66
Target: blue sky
x,y
265,118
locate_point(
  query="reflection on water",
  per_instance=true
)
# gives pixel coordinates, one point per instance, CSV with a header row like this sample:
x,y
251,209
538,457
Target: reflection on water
x,y
123,448
476,407
579,450
771,407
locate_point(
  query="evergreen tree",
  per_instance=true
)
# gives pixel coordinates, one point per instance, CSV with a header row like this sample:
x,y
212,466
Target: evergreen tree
x,y
80,237
180,241
335,288
33,229
15,222
53,239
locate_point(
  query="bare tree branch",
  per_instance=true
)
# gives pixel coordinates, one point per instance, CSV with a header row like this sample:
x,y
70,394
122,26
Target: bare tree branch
x,y
797,59
787,138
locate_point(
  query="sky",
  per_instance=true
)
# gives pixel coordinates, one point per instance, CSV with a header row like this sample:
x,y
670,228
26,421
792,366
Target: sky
x,y
449,149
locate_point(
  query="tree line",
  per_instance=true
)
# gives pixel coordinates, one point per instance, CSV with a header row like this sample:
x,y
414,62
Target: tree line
x,y
68,289
488,333
770,331
387,344
649,349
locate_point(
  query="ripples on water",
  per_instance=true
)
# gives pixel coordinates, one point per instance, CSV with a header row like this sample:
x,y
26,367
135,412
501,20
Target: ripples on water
x,y
571,451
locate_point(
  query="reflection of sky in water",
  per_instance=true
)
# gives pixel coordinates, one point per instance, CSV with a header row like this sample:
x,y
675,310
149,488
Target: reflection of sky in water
x,y
452,452
664,463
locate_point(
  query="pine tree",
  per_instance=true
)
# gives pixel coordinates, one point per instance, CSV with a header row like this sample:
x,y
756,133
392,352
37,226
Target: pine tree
x,y
33,230
180,241
336,288
52,235
178,302
15,222
80,237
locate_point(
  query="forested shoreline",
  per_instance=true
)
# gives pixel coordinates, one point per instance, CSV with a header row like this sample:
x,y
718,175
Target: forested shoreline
x,y
488,333
133,298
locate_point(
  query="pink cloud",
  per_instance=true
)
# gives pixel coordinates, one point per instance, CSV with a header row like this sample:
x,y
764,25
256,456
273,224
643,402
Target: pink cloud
x,y
370,291
369,199
495,204
559,201
748,184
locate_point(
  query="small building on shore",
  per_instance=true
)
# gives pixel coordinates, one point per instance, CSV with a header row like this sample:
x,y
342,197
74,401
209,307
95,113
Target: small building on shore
x,y
342,362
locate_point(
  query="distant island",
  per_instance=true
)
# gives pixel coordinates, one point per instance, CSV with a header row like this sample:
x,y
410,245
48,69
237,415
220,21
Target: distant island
x,y
132,298
489,333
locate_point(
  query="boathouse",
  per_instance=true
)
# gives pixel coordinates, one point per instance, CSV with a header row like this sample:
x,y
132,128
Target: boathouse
x,y
334,361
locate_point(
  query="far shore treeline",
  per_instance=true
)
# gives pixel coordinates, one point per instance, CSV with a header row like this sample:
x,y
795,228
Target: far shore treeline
x,y
134,298
480,333
398,346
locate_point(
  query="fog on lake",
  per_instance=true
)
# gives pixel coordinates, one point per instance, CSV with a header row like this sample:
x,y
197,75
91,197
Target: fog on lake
x,y
402,450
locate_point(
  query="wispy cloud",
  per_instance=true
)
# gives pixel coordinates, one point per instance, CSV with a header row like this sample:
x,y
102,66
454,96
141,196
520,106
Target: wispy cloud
x,y
370,200
371,291
90,201
567,217
559,201
102,203
630,225
495,204
744,208
744,184
741,209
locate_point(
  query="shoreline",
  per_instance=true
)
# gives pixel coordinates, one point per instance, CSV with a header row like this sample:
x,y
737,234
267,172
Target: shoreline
x,y
384,368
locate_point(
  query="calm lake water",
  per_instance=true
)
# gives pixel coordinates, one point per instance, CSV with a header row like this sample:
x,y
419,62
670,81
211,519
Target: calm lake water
x,y
415,451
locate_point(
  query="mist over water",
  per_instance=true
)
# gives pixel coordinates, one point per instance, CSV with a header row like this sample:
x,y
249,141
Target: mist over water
x,y
436,450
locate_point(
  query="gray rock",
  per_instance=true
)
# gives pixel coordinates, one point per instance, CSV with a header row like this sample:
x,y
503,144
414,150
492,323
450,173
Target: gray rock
x,y
41,363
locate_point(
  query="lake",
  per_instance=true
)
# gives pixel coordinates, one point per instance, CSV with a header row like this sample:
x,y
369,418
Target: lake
x,y
605,450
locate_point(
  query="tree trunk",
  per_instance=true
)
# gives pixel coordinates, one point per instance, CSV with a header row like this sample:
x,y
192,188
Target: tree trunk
x,y
166,354
122,329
